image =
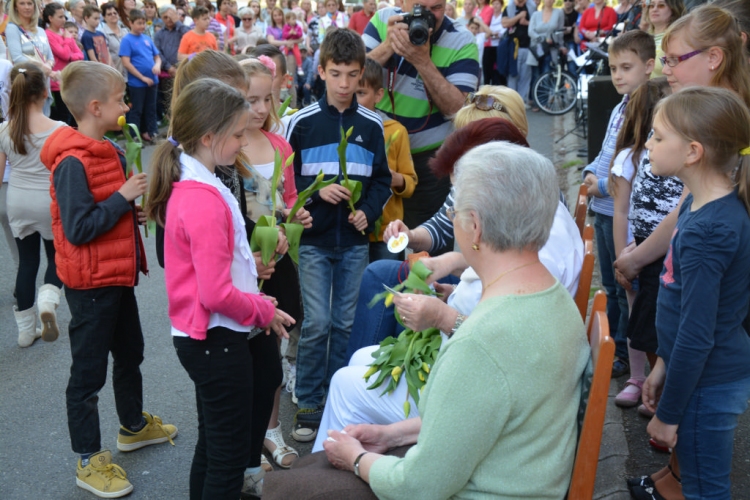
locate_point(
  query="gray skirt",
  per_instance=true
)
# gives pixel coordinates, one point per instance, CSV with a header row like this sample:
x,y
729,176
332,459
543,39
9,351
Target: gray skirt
x,y
29,212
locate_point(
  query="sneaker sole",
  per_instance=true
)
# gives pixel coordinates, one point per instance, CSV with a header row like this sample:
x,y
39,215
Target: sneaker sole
x,y
50,332
143,444
304,438
103,494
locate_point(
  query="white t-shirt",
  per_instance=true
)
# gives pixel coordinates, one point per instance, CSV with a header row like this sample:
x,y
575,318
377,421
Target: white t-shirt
x,y
496,26
623,167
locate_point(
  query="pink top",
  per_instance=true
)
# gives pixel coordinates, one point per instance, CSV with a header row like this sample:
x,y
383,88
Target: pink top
x,y
198,252
290,32
290,188
65,51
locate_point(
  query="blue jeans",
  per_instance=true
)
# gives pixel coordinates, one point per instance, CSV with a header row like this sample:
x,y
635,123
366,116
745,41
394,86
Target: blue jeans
x,y
617,301
522,81
373,324
573,49
329,278
706,439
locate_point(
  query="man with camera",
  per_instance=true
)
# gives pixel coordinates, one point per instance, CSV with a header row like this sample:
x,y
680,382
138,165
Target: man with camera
x,y
424,87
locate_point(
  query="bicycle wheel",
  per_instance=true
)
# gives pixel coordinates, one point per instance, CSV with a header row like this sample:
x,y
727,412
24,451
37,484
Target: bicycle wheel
x,y
555,96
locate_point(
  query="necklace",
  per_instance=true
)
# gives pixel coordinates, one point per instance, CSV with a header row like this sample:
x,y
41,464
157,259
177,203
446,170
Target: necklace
x,y
507,272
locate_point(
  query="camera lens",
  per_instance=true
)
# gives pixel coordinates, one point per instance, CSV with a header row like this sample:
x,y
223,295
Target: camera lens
x,y
419,32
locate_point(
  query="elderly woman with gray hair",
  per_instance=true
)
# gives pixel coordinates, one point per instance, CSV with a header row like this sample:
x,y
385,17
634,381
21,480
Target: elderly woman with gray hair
x,y
246,36
498,415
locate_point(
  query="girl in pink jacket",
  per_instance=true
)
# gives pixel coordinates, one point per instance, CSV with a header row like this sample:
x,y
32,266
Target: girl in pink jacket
x,y
211,280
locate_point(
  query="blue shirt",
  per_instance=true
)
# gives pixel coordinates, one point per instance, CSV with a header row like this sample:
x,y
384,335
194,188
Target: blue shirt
x,y
141,51
96,41
703,299
600,165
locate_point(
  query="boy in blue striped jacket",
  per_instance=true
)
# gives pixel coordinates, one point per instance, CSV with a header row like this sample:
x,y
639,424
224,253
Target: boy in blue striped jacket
x,y
333,253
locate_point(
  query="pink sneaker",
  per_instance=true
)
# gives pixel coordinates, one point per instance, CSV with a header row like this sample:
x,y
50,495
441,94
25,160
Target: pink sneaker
x,y
630,395
642,410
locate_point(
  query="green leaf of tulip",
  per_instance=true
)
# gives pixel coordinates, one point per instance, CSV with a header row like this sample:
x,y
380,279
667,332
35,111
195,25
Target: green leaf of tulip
x,y
303,196
284,106
354,187
293,232
265,237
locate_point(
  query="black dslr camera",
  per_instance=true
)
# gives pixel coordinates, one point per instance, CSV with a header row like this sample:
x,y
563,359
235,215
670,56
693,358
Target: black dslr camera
x,y
420,21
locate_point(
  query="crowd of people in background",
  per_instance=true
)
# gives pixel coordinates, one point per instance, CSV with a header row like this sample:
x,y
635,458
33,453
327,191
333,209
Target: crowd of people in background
x,y
207,81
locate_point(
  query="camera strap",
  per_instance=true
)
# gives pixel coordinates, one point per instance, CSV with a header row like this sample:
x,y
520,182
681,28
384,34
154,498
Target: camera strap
x,y
391,85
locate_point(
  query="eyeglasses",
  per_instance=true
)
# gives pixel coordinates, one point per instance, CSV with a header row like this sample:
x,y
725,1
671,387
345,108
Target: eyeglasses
x,y
450,212
247,18
111,13
674,61
484,102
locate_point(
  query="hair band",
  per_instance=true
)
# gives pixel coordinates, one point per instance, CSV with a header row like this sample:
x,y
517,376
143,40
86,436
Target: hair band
x,y
173,141
268,63
22,70
745,151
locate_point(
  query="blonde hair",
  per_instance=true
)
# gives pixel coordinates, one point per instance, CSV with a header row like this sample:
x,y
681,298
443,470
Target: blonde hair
x,y
709,26
205,106
253,67
13,16
717,119
513,108
77,91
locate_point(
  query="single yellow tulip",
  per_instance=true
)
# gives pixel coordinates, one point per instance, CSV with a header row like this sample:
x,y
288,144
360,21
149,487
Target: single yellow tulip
x,y
121,121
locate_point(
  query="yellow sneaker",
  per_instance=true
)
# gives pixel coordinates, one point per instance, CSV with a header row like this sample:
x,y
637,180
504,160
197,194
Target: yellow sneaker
x,y
154,432
103,478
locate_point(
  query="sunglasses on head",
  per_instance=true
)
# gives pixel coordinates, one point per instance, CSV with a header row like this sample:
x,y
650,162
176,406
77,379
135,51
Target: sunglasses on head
x,y
484,102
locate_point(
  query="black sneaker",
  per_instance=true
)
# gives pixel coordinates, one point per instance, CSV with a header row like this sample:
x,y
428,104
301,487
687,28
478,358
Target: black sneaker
x,y
620,367
642,481
306,423
647,493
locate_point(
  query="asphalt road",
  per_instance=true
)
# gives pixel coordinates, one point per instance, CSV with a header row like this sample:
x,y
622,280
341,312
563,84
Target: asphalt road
x,y
35,456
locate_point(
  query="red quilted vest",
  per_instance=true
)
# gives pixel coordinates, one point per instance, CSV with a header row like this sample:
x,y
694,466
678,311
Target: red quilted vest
x,y
110,258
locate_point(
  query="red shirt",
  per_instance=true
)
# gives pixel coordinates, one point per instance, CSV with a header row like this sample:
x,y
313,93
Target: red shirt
x,y
359,21
604,23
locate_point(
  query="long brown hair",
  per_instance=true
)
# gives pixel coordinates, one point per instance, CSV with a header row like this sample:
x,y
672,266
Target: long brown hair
x,y
28,86
205,106
637,121
709,26
717,119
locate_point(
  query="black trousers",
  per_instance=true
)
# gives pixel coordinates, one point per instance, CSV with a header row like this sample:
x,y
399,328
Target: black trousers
x,y
28,268
103,320
234,388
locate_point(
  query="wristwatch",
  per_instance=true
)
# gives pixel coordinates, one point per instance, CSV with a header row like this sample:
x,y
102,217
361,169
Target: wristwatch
x,y
356,462
459,321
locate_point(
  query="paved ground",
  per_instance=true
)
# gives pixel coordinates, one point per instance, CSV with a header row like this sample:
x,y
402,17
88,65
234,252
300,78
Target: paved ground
x,y
35,456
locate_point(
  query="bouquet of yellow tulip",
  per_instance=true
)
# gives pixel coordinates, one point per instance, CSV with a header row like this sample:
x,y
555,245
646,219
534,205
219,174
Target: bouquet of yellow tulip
x,y
133,147
412,353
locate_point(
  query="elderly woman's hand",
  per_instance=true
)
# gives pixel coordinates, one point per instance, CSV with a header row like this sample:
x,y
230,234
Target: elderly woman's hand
x,y
444,265
342,449
373,437
420,312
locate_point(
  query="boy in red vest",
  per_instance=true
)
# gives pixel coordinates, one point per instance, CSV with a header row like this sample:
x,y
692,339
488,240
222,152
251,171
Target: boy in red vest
x,y
99,253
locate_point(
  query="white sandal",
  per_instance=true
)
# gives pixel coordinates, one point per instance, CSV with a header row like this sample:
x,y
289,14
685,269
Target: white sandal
x,y
282,450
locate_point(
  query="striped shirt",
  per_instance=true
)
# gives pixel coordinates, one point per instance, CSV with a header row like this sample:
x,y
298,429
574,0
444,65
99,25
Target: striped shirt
x,y
600,166
455,55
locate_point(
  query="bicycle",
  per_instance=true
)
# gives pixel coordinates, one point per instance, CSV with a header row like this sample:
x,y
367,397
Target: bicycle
x,y
558,91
